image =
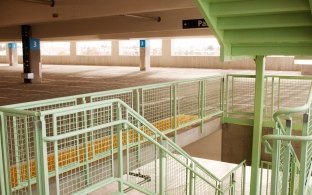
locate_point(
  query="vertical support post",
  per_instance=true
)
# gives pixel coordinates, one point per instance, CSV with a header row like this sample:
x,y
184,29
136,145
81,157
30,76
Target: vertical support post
x,y
31,56
137,109
202,104
226,99
275,162
145,57
304,156
26,34
42,170
191,178
287,160
174,110
257,129
120,150
13,58
162,170
5,181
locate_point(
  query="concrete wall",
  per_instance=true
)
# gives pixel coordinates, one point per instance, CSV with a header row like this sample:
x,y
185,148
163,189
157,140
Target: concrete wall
x,y
237,143
166,60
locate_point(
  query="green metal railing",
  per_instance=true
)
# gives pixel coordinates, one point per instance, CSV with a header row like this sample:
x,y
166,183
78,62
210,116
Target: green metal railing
x,y
289,174
279,92
169,106
81,143
97,144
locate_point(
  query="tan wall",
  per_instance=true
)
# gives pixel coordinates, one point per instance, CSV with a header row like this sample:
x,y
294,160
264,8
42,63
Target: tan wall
x,y
166,60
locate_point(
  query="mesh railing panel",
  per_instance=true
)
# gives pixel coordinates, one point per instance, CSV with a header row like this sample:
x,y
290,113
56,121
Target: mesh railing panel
x,y
188,102
20,152
157,107
213,95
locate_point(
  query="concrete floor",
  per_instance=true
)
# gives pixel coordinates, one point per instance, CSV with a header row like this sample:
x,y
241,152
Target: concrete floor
x,y
65,80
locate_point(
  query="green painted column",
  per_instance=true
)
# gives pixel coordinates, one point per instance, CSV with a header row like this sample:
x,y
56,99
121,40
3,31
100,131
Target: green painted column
x,y
257,129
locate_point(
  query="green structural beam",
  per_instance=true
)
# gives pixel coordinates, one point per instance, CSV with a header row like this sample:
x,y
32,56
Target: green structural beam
x,y
295,19
236,8
257,130
275,35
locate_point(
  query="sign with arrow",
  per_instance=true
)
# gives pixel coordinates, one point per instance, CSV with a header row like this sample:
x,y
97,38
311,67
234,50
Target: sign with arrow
x,y
194,23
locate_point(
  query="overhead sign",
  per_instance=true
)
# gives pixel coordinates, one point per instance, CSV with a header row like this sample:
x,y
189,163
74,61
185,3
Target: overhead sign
x,y
194,23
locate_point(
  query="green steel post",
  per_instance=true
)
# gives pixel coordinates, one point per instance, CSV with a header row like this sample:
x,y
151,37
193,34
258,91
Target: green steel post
x,y
42,170
174,110
257,129
202,104
304,159
293,177
120,150
162,171
191,179
286,166
5,184
275,162
232,110
56,160
85,143
137,109
279,94
272,99
2,180
17,150
221,106
27,154
226,107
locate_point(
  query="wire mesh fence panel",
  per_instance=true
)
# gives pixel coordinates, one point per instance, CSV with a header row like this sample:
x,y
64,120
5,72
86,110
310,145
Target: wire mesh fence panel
x,y
270,91
212,95
157,107
243,95
19,138
188,97
233,182
176,176
81,160
207,185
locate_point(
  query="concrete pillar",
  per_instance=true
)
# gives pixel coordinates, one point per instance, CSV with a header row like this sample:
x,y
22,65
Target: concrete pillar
x,y
31,56
145,57
35,60
13,58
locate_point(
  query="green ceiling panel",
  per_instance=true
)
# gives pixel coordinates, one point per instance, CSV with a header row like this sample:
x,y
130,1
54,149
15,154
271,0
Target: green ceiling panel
x,y
260,27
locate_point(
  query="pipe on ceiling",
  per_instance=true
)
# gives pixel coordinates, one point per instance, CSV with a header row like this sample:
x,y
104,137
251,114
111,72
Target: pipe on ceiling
x,y
44,2
156,19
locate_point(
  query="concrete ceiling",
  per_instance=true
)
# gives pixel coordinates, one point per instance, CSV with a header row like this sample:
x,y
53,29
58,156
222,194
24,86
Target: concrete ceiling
x,y
98,19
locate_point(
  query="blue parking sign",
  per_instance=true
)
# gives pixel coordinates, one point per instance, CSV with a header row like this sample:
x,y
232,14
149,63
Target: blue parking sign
x,y
34,44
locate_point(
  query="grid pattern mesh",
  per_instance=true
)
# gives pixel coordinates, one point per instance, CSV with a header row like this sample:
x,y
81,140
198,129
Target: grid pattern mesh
x,y
280,92
20,148
212,96
157,107
242,95
233,183
83,160
188,102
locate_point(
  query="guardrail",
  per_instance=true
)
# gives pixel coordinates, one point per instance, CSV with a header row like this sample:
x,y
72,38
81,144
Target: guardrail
x,y
97,144
293,174
169,106
279,92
